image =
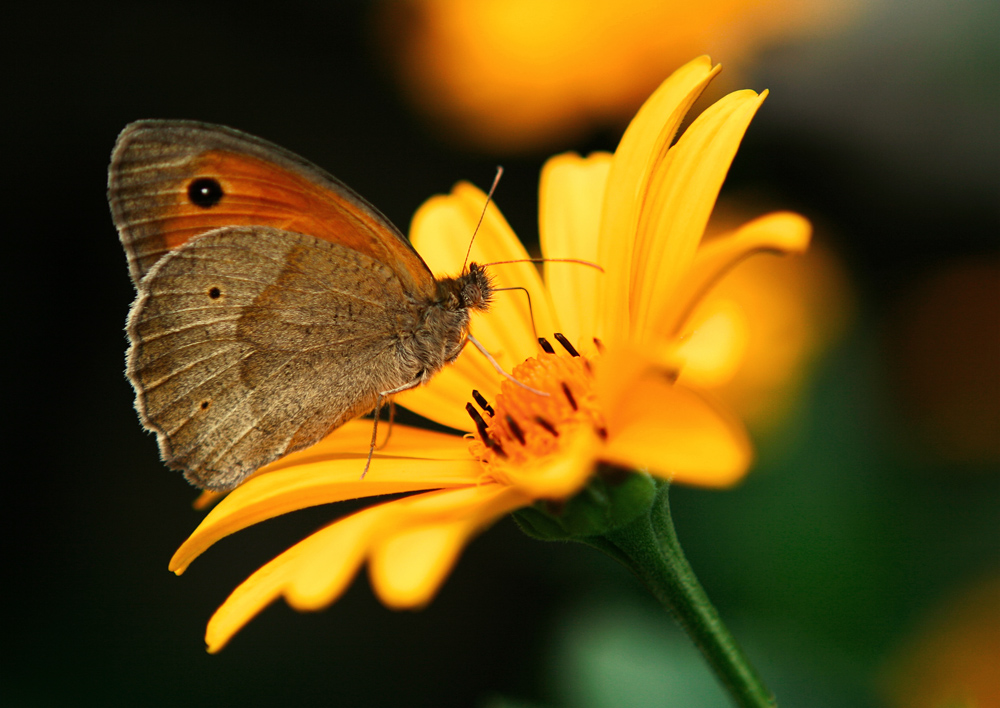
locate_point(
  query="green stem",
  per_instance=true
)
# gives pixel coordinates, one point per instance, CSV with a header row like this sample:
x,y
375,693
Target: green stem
x,y
648,546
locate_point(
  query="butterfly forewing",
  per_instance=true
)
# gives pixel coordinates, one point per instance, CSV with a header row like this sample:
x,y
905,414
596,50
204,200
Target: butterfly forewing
x,y
171,181
251,342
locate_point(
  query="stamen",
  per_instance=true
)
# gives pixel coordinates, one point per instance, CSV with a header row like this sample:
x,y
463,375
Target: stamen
x,y
544,343
566,345
547,425
515,429
496,447
480,423
525,427
483,403
569,396
599,344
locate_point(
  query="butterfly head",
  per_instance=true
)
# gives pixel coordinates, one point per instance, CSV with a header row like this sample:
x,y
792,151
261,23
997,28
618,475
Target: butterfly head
x,y
475,290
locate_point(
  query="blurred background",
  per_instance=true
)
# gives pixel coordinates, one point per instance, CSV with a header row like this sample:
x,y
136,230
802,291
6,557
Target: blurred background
x,y
859,563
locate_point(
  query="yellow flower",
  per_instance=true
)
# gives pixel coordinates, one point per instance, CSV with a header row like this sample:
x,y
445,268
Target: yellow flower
x,y
615,341
520,74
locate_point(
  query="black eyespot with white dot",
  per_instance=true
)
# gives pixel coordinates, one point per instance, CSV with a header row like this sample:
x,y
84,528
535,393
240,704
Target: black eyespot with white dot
x,y
214,293
205,192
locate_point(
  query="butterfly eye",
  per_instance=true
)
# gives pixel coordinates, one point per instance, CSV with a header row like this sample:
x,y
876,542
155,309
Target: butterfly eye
x,y
205,192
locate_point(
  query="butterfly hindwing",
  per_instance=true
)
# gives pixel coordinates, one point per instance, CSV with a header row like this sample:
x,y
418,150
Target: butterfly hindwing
x,y
251,342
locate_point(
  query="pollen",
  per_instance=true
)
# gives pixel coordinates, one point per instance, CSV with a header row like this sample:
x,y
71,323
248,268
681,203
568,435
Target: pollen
x,y
521,427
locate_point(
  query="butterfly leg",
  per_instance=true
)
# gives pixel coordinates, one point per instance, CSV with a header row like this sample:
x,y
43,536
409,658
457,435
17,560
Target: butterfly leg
x,y
392,418
378,408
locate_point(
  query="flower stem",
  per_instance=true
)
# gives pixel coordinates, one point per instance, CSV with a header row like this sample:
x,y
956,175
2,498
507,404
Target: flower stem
x,y
648,546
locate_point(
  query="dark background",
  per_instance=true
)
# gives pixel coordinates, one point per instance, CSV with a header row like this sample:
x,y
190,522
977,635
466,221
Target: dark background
x,y
824,561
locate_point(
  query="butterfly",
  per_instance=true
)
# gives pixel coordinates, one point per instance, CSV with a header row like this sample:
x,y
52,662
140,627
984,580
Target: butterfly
x,y
273,303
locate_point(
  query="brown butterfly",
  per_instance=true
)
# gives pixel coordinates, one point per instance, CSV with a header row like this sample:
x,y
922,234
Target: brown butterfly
x,y
273,303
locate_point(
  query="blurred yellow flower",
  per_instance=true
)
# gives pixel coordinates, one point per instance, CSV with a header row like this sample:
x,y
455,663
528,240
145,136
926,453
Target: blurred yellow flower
x,y
947,363
609,362
520,74
953,656
755,336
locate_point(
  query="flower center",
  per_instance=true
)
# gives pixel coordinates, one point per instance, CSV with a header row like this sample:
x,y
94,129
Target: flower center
x,y
522,426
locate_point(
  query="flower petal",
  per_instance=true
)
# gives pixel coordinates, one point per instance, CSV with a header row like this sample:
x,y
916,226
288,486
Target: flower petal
x,y
354,438
558,475
311,574
670,430
321,482
571,194
641,149
780,232
412,543
408,567
679,200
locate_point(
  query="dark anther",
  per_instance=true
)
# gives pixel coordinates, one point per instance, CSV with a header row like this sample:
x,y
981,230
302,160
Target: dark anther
x,y
214,293
515,429
547,425
602,432
599,344
569,396
480,423
481,428
483,403
205,192
545,345
496,447
566,345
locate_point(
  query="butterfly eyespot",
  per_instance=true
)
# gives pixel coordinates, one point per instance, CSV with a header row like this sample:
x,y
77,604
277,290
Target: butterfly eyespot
x,y
214,293
205,192
205,405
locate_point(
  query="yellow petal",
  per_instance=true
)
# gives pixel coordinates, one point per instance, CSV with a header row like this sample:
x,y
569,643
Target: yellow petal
x,y
354,438
674,432
780,232
310,484
311,574
680,197
641,149
560,475
711,353
332,556
407,567
248,599
571,194
412,543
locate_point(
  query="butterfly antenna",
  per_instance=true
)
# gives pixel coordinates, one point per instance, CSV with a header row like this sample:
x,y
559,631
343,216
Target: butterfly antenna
x,y
547,260
489,196
531,312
